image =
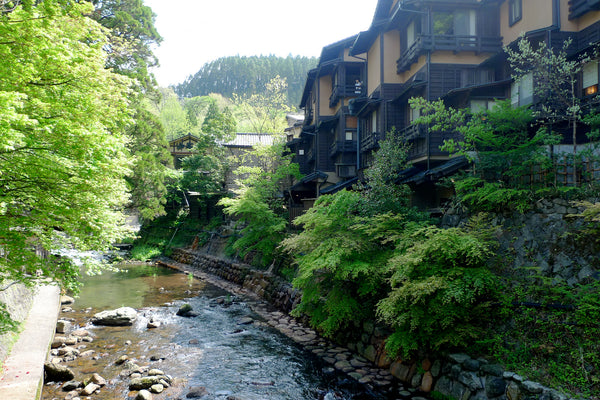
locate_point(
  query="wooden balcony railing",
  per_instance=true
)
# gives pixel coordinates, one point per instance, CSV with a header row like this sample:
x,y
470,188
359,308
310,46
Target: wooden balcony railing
x,y
342,91
342,146
455,43
577,8
369,142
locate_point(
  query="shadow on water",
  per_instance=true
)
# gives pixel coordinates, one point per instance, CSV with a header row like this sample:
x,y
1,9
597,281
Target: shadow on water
x,y
249,361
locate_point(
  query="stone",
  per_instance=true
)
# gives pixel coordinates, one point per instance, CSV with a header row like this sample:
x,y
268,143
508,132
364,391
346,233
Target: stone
x,y
155,371
152,324
492,369
158,388
436,368
66,300
63,326
512,392
416,380
122,359
495,386
89,389
57,373
459,358
471,365
400,371
187,311
426,382
58,341
470,380
81,333
370,353
87,353
196,392
144,382
143,395
97,379
532,387
245,321
71,385
123,316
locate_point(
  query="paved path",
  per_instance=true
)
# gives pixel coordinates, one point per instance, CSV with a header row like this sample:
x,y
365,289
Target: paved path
x,y
24,368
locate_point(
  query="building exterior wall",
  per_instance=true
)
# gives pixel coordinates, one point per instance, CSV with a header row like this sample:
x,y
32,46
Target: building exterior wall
x,y
536,14
391,55
374,67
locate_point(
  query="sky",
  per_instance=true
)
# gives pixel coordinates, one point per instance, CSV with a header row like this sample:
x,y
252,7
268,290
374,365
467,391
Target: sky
x,y
196,32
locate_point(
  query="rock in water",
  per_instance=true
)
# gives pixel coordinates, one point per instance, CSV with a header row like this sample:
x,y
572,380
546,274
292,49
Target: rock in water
x,y
143,395
57,373
197,392
186,311
120,317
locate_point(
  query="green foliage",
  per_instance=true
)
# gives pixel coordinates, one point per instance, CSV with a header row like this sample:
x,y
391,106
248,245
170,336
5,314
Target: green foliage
x,y
144,252
341,260
556,342
7,324
258,205
264,112
441,291
480,195
63,151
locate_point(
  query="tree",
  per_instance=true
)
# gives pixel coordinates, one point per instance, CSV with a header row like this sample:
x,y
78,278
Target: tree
x,y
258,204
219,125
554,77
63,153
265,112
131,36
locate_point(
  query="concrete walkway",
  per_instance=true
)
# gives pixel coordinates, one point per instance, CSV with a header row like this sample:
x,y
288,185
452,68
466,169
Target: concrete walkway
x,y
24,368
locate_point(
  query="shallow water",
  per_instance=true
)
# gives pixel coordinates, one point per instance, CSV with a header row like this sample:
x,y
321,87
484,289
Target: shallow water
x,y
213,350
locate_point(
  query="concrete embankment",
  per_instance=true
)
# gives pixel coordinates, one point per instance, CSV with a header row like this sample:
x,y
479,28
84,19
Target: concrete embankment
x,y
23,370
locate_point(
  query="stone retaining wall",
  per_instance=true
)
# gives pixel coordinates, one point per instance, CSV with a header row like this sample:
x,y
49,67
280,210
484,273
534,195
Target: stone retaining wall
x,y
457,375
18,300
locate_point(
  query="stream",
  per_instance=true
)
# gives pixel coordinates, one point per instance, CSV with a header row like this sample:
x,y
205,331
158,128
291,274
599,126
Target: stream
x,y
218,349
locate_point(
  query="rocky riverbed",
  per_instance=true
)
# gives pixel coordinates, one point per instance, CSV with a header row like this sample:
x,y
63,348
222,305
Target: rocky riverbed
x,y
222,345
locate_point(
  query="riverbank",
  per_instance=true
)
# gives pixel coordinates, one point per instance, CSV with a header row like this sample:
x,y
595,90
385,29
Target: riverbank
x,y
455,375
342,359
23,370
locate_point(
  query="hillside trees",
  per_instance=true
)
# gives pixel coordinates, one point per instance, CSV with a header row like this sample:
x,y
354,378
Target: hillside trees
x,y
248,75
62,149
264,112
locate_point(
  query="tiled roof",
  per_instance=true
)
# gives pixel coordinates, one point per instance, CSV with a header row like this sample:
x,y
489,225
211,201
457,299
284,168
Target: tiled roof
x,y
250,139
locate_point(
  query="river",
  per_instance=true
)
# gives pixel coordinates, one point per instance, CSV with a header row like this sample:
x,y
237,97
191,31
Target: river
x,y
249,361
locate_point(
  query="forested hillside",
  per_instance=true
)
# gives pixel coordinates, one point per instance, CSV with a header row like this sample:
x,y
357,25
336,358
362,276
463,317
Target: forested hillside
x,y
248,75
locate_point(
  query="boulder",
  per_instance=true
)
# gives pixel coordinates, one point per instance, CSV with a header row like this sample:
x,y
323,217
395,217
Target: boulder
x,y
144,382
57,373
143,395
66,300
197,392
89,389
186,310
63,326
97,379
120,317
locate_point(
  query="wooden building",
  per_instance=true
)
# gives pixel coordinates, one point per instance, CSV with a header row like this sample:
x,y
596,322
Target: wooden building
x,y
435,49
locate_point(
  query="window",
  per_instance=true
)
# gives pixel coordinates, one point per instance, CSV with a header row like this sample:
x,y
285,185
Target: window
x,y
413,114
590,78
456,23
346,171
301,152
349,135
521,93
470,77
515,11
411,34
374,121
478,105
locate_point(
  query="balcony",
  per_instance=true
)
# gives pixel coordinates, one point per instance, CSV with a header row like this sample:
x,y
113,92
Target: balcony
x,y
413,132
342,146
343,91
454,43
369,142
577,8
